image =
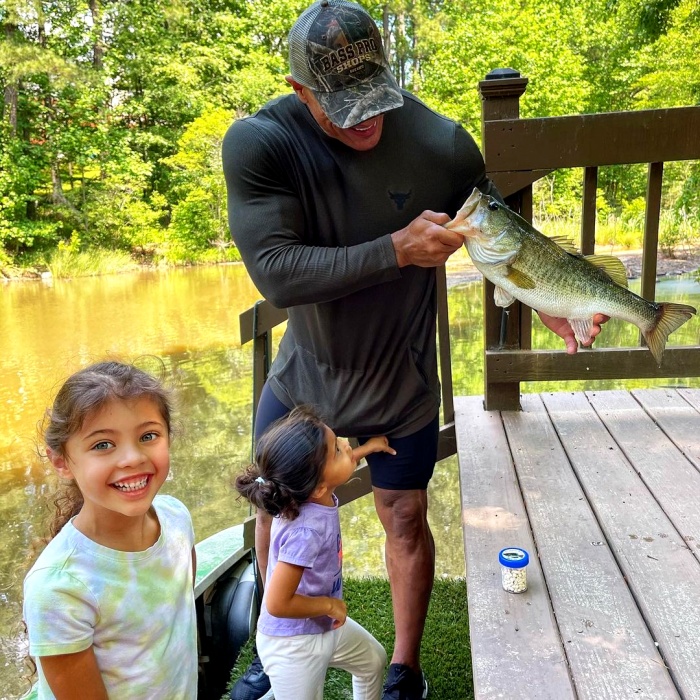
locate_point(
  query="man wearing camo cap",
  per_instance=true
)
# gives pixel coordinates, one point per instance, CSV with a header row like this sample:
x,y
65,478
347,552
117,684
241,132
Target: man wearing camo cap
x,y
337,196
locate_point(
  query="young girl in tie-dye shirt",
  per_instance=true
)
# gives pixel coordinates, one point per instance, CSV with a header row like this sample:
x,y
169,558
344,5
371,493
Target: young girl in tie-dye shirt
x,y
109,603
304,627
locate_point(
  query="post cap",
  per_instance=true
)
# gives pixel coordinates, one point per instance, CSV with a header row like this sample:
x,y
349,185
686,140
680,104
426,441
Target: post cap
x,y
501,73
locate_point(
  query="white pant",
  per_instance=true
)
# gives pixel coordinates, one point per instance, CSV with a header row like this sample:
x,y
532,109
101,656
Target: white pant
x,y
297,665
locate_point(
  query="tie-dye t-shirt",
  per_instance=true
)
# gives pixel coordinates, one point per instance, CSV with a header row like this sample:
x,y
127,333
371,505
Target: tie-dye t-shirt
x,y
311,540
136,608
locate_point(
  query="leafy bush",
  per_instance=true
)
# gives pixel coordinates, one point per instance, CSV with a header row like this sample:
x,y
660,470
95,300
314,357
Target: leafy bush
x,y
199,226
65,262
17,237
192,227
678,229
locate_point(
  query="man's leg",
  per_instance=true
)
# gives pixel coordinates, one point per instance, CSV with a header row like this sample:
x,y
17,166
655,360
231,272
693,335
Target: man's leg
x,y
410,563
400,485
254,683
263,522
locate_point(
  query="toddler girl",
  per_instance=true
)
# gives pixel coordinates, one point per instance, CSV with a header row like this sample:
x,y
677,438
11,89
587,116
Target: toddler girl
x,y
303,626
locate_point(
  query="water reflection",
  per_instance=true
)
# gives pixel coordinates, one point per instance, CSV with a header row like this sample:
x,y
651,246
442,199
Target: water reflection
x,y
189,319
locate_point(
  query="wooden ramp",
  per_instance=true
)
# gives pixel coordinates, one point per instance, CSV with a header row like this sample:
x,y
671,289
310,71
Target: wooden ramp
x,y
603,490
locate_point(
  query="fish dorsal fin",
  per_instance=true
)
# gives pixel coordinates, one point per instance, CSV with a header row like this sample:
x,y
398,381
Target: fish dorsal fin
x,y
612,266
502,298
566,243
519,278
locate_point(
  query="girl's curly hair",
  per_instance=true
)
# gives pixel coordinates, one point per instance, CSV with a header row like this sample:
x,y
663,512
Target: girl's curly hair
x,y
289,461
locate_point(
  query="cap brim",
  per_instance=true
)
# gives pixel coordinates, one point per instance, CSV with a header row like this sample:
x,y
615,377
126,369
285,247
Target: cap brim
x,y
354,105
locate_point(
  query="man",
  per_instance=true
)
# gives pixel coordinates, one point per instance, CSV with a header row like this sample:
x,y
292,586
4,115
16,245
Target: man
x,y
337,197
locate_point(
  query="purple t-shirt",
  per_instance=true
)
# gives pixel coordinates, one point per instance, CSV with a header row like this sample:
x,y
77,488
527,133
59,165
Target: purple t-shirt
x,y
313,541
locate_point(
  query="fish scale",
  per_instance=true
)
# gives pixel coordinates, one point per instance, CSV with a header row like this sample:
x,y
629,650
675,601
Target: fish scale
x,y
588,289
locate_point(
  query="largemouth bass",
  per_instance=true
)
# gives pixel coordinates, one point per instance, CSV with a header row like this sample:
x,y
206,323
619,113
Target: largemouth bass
x,y
550,275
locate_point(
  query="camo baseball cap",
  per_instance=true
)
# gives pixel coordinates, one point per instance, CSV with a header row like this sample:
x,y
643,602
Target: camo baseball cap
x,y
335,49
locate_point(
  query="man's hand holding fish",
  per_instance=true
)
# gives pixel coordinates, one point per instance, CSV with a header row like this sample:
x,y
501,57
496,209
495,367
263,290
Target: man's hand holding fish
x,y
563,329
426,242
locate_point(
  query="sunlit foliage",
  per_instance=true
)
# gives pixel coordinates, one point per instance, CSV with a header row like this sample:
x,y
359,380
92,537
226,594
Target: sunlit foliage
x,y
112,112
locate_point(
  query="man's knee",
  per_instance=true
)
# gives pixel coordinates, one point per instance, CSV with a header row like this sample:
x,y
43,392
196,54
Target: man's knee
x,y
402,513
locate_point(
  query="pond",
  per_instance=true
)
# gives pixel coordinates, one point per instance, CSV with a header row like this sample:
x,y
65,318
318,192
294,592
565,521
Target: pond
x,y
188,318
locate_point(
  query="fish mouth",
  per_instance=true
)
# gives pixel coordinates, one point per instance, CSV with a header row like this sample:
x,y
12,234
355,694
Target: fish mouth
x,y
458,223
471,203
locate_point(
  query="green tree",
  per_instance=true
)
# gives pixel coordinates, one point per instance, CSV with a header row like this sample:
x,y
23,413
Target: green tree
x,y
199,222
47,117
462,42
111,110
670,64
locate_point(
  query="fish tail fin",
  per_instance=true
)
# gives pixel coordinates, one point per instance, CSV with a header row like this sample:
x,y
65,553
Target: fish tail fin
x,y
669,317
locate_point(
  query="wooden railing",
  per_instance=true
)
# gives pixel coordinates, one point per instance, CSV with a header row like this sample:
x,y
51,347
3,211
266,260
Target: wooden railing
x,y
520,151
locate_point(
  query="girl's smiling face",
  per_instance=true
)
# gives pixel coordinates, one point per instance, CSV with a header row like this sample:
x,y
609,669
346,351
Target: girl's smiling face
x,y
119,458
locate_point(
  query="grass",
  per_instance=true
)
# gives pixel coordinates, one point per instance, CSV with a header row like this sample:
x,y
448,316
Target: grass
x,y
445,654
65,263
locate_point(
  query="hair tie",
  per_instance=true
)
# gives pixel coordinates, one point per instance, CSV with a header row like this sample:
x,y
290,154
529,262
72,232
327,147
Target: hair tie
x,y
260,480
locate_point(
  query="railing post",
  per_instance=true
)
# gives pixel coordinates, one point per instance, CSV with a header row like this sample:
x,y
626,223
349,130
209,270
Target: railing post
x,y
500,99
262,359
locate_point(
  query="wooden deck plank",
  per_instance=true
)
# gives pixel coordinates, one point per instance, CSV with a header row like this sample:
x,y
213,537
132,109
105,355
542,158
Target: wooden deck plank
x,y
609,649
513,637
666,466
663,575
677,414
692,396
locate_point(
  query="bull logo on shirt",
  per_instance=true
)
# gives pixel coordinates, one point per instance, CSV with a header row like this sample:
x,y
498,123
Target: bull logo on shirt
x,y
400,198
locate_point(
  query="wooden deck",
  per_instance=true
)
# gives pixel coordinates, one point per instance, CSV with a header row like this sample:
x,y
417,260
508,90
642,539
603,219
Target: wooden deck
x,y
603,490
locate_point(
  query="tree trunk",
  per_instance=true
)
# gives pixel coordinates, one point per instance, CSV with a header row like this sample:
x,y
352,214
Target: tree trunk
x,y
11,91
41,32
10,107
98,48
401,47
57,196
386,32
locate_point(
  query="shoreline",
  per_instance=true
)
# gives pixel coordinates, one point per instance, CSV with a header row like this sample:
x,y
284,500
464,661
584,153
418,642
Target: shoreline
x,y
460,269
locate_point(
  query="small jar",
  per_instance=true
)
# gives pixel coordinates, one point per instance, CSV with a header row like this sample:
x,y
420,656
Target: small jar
x,y
514,563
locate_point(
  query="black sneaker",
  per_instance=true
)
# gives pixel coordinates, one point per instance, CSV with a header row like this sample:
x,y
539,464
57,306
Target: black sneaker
x,y
253,684
403,683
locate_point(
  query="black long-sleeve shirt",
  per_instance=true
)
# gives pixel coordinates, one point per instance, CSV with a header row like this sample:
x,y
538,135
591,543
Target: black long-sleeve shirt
x,y
313,219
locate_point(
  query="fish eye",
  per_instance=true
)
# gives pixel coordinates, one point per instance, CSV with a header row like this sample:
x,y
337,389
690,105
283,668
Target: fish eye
x,y
493,205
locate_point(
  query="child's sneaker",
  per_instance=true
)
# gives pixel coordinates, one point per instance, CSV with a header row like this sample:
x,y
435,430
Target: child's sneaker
x,y
253,684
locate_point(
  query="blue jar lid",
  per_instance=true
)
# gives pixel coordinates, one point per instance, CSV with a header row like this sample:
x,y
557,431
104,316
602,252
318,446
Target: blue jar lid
x,y
513,557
